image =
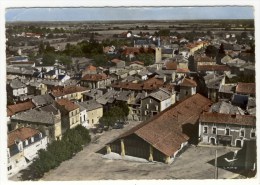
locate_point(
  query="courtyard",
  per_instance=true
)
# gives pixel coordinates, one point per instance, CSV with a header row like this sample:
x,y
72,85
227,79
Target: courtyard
x,y
194,163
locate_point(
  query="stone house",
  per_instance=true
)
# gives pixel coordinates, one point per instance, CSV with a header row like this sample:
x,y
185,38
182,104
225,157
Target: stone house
x,y
95,81
49,123
23,145
156,102
71,92
16,88
70,114
187,88
94,111
226,129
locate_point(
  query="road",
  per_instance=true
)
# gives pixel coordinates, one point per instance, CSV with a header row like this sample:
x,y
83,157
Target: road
x,y
89,165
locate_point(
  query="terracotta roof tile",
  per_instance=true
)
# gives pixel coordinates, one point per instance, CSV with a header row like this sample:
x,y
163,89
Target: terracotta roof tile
x,y
68,105
188,82
213,68
171,65
90,68
21,134
245,88
13,109
164,131
61,91
95,77
220,118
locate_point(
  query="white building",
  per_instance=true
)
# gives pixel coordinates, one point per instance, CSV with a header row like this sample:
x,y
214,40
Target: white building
x,y
23,145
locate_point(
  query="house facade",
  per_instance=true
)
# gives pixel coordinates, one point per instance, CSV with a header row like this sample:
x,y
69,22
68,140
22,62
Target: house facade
x,y
48,123
94,111
95,81
23,145
226,129
156,102
70,114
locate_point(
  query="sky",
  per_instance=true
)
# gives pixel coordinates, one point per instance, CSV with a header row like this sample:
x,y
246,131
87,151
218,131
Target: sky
x,y
124,13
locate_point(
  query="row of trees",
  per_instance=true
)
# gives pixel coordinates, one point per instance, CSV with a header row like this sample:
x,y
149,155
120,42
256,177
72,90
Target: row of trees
x,y
118,112
58,151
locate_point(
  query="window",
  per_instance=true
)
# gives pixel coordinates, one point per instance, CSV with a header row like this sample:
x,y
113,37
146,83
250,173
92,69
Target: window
x,y
147,106
157,107
242,133
9,168
145,112
32,139
26,142
252,134
151,101
214,130
205,130
227,131
92,120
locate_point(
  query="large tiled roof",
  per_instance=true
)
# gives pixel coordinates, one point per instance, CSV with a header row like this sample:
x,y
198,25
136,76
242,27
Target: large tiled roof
x,y
13,109
235,119
164,131
171,65
213,68
188,83
17,84
245,88
35,116
68,105
90,105
150,84
161,94
67,90
95,77
42,100
226,108
21,134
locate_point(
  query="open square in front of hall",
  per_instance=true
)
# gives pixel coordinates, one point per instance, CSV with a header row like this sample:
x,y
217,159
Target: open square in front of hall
x,y
193,163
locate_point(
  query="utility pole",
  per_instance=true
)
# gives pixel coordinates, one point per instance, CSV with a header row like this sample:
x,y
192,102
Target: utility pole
x,y
216,165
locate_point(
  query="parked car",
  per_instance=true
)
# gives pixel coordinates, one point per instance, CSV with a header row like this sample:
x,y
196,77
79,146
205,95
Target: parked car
x,y
118,126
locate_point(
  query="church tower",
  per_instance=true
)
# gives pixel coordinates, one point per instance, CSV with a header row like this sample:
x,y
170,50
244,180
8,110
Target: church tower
x,y
158,52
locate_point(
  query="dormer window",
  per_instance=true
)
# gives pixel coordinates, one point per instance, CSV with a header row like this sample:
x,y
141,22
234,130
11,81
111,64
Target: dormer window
x,y
32,139
26,142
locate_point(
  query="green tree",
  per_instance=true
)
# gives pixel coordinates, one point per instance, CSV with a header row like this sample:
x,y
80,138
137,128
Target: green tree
x,y
48,59
148,58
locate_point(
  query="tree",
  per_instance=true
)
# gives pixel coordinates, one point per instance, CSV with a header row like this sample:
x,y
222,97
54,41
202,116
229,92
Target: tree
x,y
148,58
48,59
211,51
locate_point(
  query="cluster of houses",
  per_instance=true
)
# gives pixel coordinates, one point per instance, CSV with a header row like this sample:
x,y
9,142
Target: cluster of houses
x,y
45,101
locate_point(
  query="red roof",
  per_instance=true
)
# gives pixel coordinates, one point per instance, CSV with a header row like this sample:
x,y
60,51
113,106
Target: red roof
x,y
182,70
67,104
245,88
115,60
213,68
95,77
61,91
91,68
137,62
164,130
219,118
172,65
150,84
188,83
21,134
13,109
